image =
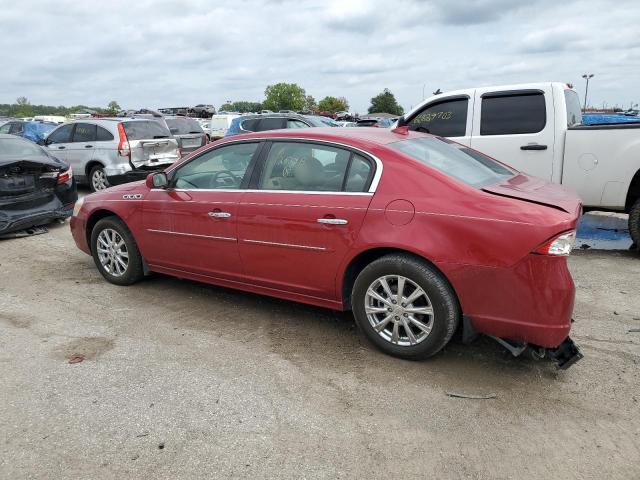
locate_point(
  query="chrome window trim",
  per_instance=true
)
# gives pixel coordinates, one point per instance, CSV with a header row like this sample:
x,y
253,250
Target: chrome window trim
x,y
251,190
372,188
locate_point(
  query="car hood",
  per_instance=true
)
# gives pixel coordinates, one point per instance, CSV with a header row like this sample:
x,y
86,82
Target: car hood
x,y
536,190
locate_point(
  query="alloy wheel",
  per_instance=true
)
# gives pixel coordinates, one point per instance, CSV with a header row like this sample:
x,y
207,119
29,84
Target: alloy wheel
x,y
399,310
99,179
112,252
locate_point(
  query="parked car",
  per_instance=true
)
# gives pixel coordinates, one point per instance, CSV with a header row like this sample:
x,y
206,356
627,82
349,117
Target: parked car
x,y
110,151
219,124
188,132
202,110
36,188
538,128
31,130
374,122
273,121
416,234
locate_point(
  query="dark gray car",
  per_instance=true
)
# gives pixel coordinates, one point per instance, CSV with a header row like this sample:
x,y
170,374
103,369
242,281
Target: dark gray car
x,y
187,132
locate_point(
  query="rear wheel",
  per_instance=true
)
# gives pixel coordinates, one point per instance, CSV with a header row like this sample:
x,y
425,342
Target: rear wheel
x,y
634,223
115,252
98,179
405,307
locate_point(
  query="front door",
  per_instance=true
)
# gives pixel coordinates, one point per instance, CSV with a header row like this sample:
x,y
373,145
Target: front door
x,y
191,226
81,149
58,141
302,215
517,128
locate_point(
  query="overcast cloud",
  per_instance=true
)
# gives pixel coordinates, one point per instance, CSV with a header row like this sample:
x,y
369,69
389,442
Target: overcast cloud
x,y
175,53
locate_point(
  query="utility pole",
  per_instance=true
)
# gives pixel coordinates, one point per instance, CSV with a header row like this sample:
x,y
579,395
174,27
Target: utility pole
x,y
586,76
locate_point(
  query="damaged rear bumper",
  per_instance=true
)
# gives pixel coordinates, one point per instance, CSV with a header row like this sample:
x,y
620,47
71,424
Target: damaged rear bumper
x,y
12,220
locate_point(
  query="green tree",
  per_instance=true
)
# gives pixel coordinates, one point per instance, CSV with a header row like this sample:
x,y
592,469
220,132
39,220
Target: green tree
x,y
385,102
284,96
113,107
245,107
24,108
310,104
226,107
333,104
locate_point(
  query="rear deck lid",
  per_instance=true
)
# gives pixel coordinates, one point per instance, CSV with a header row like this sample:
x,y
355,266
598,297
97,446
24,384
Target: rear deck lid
x,y
536,190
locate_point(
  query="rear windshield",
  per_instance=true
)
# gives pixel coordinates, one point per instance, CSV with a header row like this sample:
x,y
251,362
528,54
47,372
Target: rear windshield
x,y
145,130
10,147
457,161
182,126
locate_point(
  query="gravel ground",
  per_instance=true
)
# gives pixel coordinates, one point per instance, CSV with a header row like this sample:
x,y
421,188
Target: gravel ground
x,y
183,380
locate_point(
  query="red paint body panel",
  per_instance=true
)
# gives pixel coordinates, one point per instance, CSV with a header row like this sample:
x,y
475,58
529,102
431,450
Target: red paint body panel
x,y
480,239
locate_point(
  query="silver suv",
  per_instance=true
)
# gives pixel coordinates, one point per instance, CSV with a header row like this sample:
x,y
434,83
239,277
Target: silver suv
x,y
110,151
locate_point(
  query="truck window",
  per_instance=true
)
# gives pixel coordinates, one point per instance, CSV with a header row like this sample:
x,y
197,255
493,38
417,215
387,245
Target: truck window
x,y
447,118
512,113
574,113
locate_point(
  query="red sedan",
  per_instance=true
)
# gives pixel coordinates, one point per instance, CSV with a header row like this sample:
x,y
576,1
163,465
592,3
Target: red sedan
x,y
416,234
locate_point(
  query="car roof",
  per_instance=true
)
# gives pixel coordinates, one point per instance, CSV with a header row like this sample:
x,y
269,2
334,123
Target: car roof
x,y
272,115
365,136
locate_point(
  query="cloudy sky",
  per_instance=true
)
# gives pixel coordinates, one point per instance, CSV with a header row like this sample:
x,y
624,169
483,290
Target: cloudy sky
x,y
173,53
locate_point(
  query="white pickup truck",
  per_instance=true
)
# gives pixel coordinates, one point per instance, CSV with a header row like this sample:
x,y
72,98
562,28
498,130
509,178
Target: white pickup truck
x,y
537,129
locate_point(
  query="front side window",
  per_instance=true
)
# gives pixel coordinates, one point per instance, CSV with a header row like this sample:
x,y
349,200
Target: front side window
x,y
512,113
17,128
218,169
5,128
61,135
446,118
454,160
314,168
84,132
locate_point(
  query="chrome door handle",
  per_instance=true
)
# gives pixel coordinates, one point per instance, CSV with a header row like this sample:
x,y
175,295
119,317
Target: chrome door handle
x,y
333,221
219,214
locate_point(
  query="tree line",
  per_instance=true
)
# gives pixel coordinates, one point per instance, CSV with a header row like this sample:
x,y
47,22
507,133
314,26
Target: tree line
x,y
280,96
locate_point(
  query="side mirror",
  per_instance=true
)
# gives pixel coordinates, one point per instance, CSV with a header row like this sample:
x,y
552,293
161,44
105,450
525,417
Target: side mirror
x,y
157,180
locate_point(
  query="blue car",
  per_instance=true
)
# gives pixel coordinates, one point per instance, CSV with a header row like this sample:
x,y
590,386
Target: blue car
x,y
276,121
34,131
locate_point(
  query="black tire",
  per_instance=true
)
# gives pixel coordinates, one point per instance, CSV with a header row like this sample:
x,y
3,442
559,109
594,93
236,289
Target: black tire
x,y
634,223
134,271
446,308
96,172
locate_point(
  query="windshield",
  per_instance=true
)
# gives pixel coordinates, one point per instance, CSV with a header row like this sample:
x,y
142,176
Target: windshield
x,y
145,130
182,126
457,161
10,147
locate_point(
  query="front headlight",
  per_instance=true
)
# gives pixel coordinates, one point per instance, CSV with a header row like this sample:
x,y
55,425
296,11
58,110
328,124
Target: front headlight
x,y
78,206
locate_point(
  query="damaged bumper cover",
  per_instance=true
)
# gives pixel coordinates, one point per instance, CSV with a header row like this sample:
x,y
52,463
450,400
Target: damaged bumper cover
x,y
17,217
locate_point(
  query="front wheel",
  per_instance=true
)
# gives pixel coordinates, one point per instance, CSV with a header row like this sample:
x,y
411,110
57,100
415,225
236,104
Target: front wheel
x,y
405,307
98,179
634,223
115,252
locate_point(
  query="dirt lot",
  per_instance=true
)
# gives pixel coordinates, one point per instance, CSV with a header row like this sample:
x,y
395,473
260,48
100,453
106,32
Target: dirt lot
x,y
183,380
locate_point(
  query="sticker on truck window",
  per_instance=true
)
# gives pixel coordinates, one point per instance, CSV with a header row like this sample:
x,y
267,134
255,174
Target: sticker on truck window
x,y
427,117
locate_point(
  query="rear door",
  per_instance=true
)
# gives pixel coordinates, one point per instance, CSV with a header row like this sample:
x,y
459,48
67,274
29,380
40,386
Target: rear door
x,y
302,214
516,127
79,151
445,117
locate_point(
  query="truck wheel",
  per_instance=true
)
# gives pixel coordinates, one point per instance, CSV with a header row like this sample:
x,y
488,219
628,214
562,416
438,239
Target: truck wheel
x,y
115,252
98,179
634,223
405,307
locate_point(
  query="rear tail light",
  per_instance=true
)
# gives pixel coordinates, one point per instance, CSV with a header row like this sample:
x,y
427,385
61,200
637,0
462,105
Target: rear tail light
x,y
124,149
560,245
66,177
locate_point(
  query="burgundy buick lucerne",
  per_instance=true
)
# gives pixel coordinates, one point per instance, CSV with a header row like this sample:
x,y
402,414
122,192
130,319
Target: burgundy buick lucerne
x,y
416,234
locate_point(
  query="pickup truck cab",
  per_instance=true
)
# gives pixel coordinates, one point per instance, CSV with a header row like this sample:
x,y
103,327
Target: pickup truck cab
x,y
537,128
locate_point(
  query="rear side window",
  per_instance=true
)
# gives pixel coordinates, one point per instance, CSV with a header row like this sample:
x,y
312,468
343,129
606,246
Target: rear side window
x,y
250,125
145,130
513,113
103,135
296,124
447,118
84,132
183,126
574,112
311,167
457,161
61,135
17,128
